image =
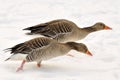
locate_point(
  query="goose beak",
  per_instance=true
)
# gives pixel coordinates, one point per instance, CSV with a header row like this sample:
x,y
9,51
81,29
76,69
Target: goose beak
x,y
89,53
107,28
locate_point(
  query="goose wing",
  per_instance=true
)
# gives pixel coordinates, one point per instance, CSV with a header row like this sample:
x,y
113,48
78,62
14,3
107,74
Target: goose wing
x,y
30,45
52,28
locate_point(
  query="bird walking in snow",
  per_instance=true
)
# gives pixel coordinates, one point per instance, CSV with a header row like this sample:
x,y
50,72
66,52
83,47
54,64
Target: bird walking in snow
x,y
64,30
39,49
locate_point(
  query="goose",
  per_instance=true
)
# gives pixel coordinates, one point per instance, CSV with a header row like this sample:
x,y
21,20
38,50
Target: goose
x,y
43,48
64,30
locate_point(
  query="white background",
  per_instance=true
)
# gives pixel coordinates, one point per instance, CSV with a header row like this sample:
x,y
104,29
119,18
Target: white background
x,y
105,45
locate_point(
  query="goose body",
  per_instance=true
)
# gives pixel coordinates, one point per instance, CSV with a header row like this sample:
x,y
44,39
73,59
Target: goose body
x,y
42,48
48,52
64,30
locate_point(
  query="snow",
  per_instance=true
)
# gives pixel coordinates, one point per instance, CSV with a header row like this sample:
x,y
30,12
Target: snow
x,y
105,45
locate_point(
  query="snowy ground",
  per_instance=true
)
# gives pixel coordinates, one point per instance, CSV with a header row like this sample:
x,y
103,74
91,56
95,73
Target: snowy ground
x,y
105,45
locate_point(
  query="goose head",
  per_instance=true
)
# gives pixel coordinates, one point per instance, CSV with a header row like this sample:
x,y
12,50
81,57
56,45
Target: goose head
x,y
101,26
80,47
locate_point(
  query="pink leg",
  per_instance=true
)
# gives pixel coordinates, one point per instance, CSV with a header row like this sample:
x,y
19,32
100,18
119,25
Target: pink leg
x,y
39,64
21,66
70,55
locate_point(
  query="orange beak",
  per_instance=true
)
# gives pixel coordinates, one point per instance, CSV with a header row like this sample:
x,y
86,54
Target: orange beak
x,y
107,28
89,53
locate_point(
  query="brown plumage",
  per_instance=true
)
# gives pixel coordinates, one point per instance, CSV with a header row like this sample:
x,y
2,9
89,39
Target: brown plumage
x,y
42,48
64,30
28,46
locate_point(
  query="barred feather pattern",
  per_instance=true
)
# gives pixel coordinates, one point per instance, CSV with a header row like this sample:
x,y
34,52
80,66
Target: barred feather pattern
x,y
30,45
56,29
38,42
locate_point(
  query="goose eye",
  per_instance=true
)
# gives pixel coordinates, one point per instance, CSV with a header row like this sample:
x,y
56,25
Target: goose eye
x,y
101,24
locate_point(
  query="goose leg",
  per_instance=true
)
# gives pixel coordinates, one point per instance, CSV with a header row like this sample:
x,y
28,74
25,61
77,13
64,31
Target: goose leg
x,y
21,66
70,55
39,64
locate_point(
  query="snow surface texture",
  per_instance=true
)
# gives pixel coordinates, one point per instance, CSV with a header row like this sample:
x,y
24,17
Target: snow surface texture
x,y
105,45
